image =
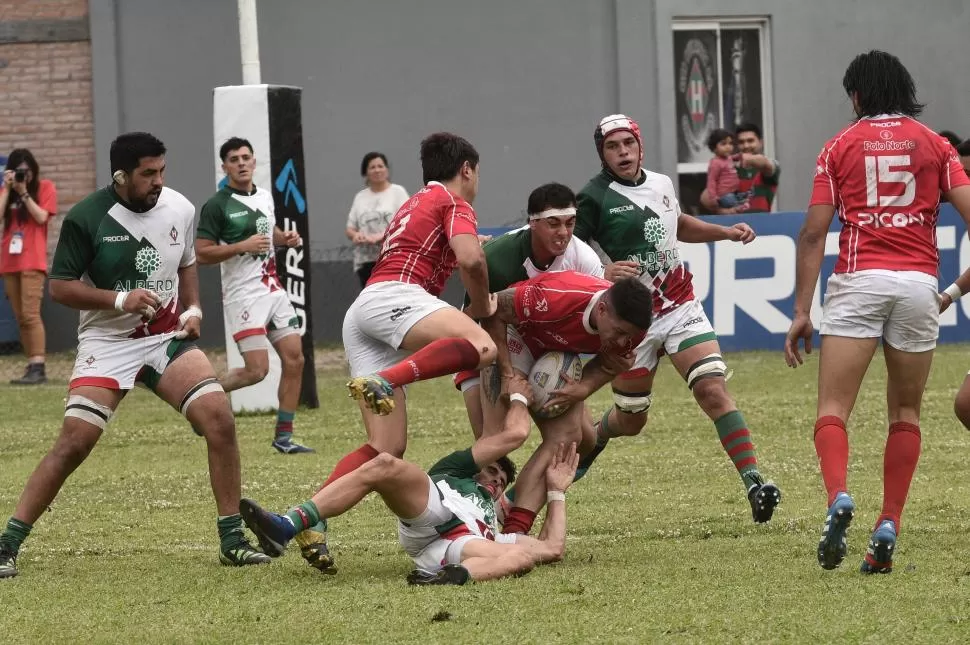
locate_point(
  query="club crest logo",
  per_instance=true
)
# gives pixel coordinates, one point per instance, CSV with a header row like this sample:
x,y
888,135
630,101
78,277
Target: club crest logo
x,y
262,225
695,86
654,231
147,261
174,234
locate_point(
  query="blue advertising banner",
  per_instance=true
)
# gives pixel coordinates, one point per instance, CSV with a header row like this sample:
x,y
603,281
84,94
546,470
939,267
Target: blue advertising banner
x,y
748,290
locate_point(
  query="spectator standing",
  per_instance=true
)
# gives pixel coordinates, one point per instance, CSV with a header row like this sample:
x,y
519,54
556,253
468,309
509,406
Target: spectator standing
x,y
371,212
27,203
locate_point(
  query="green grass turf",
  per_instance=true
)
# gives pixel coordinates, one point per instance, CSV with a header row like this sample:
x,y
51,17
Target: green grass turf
x,y
661,545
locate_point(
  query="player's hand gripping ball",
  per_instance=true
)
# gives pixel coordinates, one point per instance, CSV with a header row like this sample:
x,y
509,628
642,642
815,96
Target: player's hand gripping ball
x,y
551,372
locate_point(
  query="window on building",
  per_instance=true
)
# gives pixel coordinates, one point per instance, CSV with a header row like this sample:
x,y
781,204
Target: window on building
x,y
722,78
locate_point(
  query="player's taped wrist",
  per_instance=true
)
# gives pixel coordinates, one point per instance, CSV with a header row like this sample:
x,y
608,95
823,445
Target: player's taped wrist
x,y
191,312
518,396
120,300
954,291
555,496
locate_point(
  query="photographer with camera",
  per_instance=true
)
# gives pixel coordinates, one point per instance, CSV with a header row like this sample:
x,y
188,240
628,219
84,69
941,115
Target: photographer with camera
x,y
27,202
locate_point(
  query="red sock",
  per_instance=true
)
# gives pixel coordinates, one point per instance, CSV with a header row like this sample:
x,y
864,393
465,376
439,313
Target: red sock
x,y
438,358
898,465
519,520
351,462
832,447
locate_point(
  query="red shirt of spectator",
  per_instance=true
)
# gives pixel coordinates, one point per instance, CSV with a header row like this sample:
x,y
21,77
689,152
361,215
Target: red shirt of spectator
x,y
415,248
885,175
33,236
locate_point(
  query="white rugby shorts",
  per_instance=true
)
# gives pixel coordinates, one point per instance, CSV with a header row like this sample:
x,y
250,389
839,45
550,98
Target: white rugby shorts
x,y
379,319
421,541
901,307
260,315
118,363
673,332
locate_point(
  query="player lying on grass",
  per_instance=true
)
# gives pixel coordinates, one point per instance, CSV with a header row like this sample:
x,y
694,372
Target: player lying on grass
x,y
446,516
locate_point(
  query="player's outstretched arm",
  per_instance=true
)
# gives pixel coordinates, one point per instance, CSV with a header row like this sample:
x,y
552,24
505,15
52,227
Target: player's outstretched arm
x,y
474,274
551,543
692,229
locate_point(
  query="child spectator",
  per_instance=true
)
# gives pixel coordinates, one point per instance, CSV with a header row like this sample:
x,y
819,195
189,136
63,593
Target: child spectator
x,y
722,175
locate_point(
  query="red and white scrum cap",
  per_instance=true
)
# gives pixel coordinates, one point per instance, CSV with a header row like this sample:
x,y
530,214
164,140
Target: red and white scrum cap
x,y
616,123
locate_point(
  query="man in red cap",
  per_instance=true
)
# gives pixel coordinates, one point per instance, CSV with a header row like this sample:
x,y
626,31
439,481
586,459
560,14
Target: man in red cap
x,y
634,216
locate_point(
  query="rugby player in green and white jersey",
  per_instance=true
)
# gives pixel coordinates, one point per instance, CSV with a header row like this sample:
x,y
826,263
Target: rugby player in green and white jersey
x,y
125,259
635,218
546,243
446,516
238,229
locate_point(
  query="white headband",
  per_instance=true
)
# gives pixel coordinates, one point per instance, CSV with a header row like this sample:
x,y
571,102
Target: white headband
x,y
555,212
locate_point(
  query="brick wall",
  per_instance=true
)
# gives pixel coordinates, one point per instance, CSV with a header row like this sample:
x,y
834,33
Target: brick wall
x,y
46,103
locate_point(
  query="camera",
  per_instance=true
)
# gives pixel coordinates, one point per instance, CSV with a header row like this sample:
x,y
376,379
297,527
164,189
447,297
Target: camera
x,y
20,175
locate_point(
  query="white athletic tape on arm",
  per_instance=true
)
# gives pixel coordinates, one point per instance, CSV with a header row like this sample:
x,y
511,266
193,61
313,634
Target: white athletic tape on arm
x,y
555,496
203,387
191,312
517,396
83,408
120,300
954,291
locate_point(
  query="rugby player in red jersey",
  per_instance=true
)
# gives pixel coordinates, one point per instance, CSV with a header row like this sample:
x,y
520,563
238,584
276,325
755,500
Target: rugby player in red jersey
x,y
569,312
398,331
885,174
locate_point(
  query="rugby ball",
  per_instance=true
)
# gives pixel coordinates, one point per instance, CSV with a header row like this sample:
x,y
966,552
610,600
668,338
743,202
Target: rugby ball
x,y
547,375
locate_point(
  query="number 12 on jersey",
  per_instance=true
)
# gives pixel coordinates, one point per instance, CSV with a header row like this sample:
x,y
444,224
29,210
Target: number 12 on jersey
x,y
399,228
889,169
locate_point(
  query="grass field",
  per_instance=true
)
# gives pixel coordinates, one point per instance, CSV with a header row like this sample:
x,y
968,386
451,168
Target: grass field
x,y
661,546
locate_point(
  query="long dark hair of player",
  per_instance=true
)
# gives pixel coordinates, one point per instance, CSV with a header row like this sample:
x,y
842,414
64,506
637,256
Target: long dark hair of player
x,y
882,85
17,157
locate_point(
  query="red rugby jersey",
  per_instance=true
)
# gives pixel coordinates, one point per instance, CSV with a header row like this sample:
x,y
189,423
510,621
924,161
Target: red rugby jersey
x,y
885,176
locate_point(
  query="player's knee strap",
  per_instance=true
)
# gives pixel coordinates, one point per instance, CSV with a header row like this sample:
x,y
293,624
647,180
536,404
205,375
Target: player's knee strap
x,y
203,387
710,365
83,408
632,402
